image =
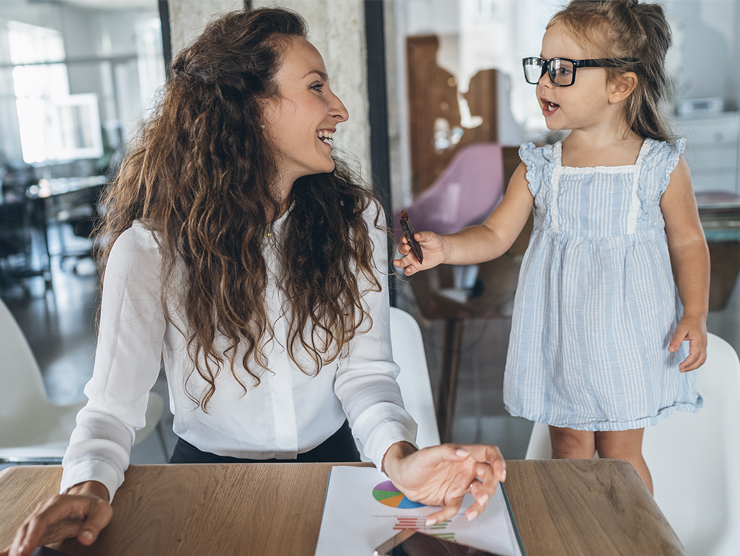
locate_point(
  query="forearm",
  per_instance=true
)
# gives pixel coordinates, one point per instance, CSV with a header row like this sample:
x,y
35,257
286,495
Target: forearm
x,y
691,268
394,455
365,379
490,240
90,488
473,245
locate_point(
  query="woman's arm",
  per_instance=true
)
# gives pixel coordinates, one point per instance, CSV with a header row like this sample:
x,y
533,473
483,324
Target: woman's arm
x,y
366,385
475,244
365,381
127,362
82,513
690,261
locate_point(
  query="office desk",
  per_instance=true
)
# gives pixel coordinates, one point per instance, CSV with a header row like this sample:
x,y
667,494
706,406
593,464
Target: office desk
x,y
563,508
54,190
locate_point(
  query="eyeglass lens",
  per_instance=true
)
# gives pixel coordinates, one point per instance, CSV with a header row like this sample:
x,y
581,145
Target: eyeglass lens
x,y
560,70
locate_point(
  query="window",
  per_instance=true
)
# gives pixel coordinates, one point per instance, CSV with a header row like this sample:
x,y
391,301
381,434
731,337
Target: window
x,y
53,124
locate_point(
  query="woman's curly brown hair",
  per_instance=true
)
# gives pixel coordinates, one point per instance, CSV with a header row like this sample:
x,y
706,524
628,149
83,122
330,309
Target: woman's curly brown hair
x,y
201,177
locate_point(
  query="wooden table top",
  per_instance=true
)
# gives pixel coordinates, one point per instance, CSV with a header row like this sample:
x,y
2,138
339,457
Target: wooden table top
x,y
562,507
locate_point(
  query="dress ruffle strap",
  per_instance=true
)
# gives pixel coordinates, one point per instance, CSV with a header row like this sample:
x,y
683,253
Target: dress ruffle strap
x,y
672,152
534,159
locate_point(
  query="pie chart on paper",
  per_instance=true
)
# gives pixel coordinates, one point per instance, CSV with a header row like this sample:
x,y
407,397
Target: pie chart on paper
x,y
386,493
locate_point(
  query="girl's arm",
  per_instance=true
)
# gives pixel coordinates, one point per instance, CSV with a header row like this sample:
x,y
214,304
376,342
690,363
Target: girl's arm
x,y
475,244
690,262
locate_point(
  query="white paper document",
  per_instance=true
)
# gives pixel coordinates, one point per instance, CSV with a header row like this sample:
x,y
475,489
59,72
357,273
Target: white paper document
x,y
363,510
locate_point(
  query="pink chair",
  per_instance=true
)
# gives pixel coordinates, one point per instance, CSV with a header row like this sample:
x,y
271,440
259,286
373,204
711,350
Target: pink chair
x,y
464,194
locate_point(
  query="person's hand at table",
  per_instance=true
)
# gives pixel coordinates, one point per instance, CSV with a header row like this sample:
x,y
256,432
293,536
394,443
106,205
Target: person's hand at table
x,y
83,512
442,475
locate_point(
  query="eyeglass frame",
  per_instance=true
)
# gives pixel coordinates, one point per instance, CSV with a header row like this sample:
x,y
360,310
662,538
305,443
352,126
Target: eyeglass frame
x,y
590,63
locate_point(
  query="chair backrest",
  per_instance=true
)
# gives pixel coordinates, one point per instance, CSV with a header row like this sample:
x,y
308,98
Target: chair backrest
x,y
27,417
539,443
22,385
408,353
464,194
694,459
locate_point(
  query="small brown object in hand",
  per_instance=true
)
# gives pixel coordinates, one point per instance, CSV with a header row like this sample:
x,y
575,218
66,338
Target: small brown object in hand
x,y
408,231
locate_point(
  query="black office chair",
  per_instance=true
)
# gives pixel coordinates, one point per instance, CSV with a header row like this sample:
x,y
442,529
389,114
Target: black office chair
x,y
16,246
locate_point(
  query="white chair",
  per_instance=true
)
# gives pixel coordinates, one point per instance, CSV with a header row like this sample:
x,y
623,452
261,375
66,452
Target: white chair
x,y
32,429
694,459
539,443
408,353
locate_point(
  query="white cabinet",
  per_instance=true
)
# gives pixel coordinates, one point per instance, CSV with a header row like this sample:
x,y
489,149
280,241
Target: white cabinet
x,y
712,150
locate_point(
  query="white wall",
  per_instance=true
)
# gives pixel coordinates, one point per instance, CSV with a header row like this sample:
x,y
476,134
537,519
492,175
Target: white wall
x,y
188,18
706,45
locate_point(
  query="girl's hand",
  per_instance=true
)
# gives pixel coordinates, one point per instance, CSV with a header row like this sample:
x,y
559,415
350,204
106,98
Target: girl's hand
x,y
442,475
83,514
431,245
694,330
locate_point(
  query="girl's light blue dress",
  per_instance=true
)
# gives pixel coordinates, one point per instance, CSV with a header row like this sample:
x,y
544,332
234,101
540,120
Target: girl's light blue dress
x,y
596,303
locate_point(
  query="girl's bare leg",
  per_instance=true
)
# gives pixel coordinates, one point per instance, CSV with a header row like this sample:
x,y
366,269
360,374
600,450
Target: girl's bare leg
x,y
627,446
572,444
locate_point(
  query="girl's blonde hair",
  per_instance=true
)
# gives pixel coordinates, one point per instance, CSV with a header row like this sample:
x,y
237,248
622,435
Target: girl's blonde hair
x,y
627,29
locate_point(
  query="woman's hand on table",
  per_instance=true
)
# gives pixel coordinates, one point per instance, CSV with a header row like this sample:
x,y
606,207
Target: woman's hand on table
x,y
81,513
442,475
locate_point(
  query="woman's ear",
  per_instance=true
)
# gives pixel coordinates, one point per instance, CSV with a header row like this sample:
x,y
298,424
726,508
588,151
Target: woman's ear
x,y
622,87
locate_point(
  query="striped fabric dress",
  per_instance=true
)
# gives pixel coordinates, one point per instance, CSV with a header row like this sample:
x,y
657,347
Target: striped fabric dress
x,y
596,304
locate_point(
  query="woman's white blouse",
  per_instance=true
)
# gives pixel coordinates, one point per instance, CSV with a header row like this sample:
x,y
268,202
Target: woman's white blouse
x,y
288,413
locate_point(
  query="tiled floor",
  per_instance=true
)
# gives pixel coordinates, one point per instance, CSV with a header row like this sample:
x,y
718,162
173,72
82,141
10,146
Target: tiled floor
x,y
60,328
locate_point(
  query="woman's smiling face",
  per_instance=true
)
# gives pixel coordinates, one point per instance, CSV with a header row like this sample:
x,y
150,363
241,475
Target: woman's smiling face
x,y
301,120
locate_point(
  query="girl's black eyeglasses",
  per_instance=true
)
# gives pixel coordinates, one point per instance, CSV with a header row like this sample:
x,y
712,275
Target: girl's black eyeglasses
x,y
562,71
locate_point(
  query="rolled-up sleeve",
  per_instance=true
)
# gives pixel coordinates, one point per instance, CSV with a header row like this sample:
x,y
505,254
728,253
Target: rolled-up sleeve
x,y
127,363
366,378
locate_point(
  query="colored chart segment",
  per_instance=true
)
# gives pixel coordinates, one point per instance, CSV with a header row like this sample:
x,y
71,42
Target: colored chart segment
x,y
386,493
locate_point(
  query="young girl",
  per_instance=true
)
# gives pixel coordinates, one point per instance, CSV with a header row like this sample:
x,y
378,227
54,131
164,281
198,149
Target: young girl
x,y
616,276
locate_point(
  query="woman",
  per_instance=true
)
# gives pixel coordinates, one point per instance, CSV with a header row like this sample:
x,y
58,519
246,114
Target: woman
x,y
253,265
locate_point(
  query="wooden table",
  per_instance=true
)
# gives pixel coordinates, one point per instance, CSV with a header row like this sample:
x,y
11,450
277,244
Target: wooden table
x,y
576,507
